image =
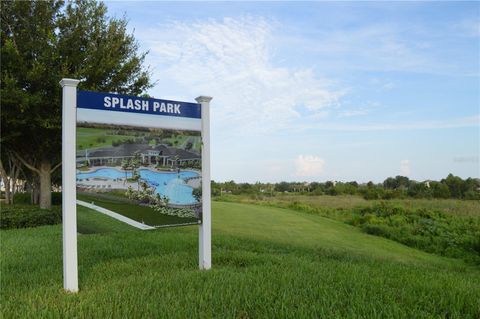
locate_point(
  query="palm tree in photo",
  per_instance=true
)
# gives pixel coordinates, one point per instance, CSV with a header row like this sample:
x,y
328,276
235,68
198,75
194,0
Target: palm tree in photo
x,y
166,200
136,178
176,161
158,199
125,165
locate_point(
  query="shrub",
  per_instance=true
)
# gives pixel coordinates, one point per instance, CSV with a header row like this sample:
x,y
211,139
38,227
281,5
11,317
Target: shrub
x,y
56,198
372,194
26,198
22,198
429,230
29,216
377,230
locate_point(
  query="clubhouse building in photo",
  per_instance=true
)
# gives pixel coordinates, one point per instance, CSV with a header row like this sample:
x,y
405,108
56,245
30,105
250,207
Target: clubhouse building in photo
x,y
163,155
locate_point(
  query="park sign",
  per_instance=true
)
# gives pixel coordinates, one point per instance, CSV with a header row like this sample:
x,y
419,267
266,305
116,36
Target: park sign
x,y
172,114
142,153
140,160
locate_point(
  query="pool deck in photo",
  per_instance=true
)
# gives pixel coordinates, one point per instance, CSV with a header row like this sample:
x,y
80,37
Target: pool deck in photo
x,y
106,184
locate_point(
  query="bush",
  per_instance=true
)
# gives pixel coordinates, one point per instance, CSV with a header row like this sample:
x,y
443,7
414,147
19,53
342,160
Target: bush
x,y
22,198
428,230
25,198
377,230
29,216
56,198
372,193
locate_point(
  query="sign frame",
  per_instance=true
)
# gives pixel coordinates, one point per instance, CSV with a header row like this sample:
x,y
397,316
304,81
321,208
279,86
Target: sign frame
x,y
69,192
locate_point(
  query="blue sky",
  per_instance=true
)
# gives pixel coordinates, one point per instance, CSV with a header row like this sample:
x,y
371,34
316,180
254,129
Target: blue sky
x,y
323,90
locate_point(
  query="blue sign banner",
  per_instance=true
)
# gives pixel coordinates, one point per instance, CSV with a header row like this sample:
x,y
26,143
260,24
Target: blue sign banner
x,y
135,104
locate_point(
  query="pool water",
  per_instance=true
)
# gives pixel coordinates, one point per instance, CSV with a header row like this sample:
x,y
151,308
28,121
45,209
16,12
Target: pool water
x,y
167,184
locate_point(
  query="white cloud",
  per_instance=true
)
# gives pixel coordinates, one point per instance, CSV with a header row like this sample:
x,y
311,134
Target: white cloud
x,y
405,167
231,60
309,166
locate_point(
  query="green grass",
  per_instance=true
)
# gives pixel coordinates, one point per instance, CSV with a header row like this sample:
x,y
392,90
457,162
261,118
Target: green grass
x,y
92,222
447,227
176,140
311,231
125,207
267,263
87,138
180,141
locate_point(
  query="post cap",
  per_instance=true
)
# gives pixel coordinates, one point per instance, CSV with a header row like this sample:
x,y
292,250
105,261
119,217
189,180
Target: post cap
x,y
203,99
69,82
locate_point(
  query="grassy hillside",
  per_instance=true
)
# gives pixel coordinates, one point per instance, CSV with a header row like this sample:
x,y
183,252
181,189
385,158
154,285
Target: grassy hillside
x,y
450,228
267,263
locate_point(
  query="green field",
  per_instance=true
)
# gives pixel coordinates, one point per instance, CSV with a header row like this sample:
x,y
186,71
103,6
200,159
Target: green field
x,y
181,141
88,138
267,263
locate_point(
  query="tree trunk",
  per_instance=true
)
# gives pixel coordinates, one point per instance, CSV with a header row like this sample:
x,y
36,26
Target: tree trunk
x,y
14,189
6,183
15,174
35,193
45,176
8,195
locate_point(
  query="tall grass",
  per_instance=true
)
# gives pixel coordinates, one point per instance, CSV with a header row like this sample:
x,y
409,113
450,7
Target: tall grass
x,y
456,207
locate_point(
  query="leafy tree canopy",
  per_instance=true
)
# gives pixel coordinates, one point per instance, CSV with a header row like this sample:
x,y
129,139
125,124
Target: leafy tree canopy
x,y
45,41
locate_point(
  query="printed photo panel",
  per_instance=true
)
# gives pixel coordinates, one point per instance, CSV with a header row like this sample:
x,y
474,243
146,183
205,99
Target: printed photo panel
x,y
140,158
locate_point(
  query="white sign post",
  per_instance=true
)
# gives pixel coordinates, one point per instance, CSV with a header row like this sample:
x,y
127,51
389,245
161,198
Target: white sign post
x,y
205,230
69,191
93,102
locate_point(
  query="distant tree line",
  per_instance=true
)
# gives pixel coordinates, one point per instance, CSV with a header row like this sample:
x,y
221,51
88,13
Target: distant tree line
x,y
392,187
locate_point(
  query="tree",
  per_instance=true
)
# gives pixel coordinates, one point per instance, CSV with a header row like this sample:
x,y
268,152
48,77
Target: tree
x,y
9,174
402,181
125,166
390,183
472,188
197,193
43,42
440,190
455,185
282,187
419,190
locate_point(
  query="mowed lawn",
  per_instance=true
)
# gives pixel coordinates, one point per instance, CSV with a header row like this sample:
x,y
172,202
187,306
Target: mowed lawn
x,y
267,263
